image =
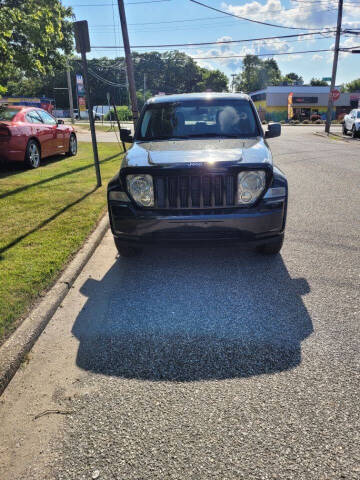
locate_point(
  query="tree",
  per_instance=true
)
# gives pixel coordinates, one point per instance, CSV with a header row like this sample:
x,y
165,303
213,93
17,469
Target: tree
x,y
257,74
292,78
317,82
213,80
169,72
353,86
35,36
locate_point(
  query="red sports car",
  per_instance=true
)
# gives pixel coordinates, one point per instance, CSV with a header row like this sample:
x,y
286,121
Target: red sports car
x,y
28,134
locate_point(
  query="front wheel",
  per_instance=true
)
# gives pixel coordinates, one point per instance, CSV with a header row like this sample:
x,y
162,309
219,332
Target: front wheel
x,y
126,251
32,154
354,133
272,248
72,146
344,129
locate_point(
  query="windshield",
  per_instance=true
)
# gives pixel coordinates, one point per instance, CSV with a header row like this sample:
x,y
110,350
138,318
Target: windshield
x,y
198,118
7,114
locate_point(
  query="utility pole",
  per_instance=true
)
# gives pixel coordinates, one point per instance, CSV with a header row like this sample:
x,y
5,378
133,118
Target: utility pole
x,y
129,62
232,83
334,69
144,88
68,77
82,41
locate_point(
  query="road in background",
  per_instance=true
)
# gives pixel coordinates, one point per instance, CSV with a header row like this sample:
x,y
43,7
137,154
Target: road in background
x,y
207,363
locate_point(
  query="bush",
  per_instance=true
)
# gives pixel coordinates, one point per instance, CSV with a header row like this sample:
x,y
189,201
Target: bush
x,y
318,121
282,121
315,117
340,117
305,122
124,114
264,122
296,122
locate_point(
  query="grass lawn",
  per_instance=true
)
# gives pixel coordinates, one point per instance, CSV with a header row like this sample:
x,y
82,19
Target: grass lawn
x,y
45,216
98,127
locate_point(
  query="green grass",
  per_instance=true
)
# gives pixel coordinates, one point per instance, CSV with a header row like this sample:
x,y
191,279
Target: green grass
x,y
45,216
98,127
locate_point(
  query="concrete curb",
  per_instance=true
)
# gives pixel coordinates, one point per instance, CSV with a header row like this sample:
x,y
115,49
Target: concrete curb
x,y
339,137
13,351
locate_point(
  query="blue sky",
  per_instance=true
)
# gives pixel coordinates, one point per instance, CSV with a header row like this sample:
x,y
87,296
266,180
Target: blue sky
x,y
181,21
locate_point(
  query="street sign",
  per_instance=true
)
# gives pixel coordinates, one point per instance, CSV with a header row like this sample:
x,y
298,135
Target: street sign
x,y
326,79
82,39
335,94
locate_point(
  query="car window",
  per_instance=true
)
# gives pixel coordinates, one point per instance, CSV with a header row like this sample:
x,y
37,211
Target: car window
x,y
7,114
33,117
198,118
46,118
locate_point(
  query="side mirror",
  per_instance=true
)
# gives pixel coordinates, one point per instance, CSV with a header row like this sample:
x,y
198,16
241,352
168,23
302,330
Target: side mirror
x,y
125,135
274,130
60,122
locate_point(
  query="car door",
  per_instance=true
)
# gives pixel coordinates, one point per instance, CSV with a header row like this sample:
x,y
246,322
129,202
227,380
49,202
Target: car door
x,y
55,141
41,131
350,120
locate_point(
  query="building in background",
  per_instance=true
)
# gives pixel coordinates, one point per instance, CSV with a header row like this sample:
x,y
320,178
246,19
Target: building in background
x,y
272,103
47,104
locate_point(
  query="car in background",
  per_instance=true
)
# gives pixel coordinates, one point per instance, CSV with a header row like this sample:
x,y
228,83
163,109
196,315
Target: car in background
x,y
352,123
84,115
29,134
200,170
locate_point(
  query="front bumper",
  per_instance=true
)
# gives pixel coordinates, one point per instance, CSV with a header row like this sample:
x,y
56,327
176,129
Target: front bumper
x,y
253,226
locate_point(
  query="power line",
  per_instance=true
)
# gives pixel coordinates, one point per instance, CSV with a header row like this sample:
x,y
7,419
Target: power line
x,y
219,42
104,80
273,54
249,19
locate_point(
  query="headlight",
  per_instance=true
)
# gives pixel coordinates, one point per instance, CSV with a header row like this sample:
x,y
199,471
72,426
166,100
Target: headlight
x,y
141,189
250,186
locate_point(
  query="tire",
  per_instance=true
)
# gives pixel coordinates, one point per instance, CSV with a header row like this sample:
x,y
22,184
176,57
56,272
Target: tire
x,y
32,154
344,129
72,145
354,133
272,248
126,251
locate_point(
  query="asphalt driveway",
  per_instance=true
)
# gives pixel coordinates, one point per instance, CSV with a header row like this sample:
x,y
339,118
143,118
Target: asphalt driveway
x,y
207,363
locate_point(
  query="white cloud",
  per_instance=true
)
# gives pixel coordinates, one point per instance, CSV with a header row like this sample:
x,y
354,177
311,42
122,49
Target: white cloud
x,y
237,50
311,14
317,57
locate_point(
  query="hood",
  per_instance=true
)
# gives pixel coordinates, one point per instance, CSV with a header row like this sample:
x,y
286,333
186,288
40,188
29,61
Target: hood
x,y
161,153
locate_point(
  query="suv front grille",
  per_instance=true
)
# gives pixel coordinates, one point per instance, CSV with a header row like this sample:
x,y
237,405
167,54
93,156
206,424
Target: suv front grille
x,y
195,191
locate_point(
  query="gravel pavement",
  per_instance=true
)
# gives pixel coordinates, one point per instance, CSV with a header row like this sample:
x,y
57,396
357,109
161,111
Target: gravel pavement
x,y
207,363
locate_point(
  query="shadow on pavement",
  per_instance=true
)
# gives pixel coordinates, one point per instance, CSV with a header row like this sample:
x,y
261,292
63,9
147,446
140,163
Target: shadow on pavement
x,y
187,315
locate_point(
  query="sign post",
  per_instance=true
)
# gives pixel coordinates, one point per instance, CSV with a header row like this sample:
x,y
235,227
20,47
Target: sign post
x,y
82,41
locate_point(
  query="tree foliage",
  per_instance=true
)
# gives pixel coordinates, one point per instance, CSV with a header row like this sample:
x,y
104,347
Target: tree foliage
x,y
353,86
317,82
292,78
34,36
257,74
168,72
